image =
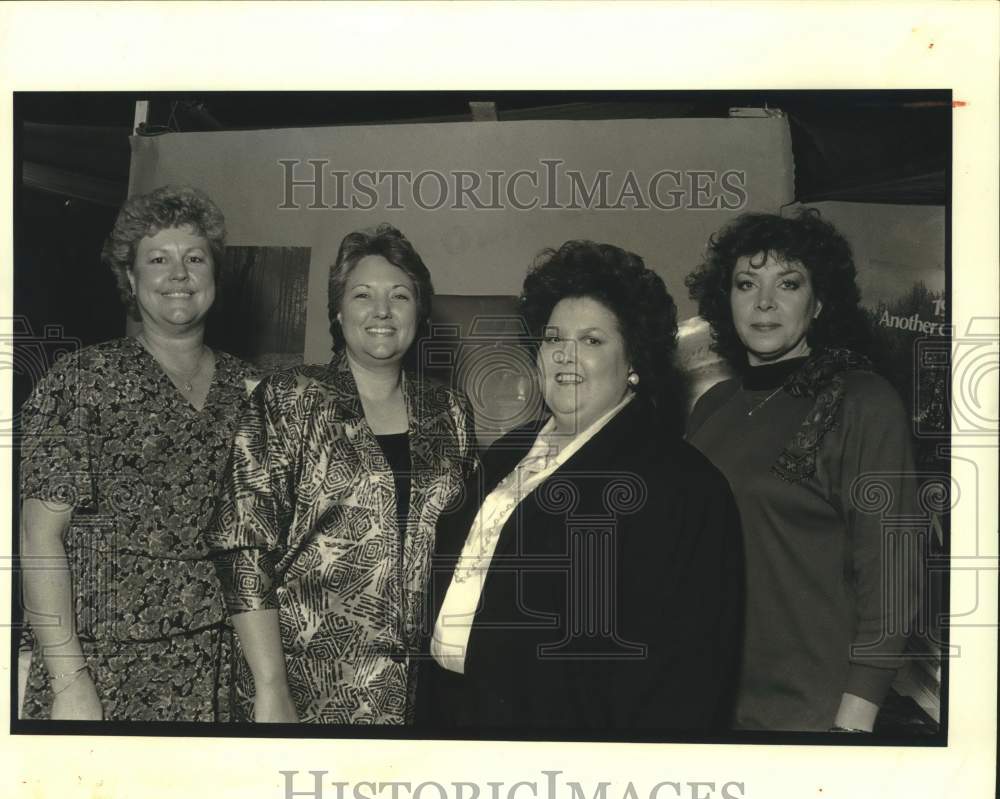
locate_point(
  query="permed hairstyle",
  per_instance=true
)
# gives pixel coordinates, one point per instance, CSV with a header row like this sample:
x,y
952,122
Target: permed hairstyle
x,y
619,280
148,214
805,239
387,241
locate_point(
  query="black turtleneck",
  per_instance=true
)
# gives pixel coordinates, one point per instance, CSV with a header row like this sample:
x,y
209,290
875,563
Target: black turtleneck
x,y
771,375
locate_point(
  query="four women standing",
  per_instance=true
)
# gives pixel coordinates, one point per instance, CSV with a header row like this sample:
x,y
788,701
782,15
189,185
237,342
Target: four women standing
x,y
591,576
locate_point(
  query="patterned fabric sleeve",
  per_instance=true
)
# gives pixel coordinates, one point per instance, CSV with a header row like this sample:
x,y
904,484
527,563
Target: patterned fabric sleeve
x,y
249,532
466,430
55,447
879,502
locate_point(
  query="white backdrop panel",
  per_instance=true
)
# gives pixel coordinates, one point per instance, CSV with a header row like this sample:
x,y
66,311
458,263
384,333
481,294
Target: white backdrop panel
x,y
471,251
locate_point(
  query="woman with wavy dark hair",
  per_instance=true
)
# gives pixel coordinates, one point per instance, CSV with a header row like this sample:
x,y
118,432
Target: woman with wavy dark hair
x,y
122,445
326,519
801,433
591,579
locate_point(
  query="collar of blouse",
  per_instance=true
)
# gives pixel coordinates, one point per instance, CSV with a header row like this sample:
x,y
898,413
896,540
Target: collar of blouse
x,y
430,422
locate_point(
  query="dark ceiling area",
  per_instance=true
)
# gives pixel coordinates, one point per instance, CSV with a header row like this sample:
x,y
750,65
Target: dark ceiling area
x,y
201,111
72,159
887,146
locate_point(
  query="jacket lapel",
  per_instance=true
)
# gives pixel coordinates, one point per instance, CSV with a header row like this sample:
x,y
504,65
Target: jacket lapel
x,y
603,454
424,452
533,531
376,487
344,389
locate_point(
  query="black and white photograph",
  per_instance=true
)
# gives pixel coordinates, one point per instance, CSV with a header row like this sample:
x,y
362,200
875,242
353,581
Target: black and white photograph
x,y
421,437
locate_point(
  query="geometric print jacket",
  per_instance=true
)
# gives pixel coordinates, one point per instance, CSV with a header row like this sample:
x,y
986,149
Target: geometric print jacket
x,y
306,524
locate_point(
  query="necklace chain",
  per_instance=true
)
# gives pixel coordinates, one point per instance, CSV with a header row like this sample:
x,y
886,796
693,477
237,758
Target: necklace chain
x,y
764,401
186,381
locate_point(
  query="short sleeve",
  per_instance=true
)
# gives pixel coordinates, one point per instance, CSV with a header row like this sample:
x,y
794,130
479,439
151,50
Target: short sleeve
x,y
248,533
56,427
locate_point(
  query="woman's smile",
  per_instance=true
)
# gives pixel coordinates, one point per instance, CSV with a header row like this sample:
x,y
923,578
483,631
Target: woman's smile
x,y
378,315
173,278
582,334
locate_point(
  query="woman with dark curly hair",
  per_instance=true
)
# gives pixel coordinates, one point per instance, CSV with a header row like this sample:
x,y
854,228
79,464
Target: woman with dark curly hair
x,y
122,446
800,433
328,509
591,579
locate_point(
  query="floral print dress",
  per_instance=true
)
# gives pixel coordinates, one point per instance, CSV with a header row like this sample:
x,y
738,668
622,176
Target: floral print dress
x,y
107,433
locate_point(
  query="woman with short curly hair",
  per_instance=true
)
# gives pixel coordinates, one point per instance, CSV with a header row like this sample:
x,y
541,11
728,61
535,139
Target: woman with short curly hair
x,y
162,209
591,579
122,445
798,432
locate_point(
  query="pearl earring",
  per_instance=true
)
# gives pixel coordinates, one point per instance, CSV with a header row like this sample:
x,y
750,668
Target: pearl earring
x,y
633,379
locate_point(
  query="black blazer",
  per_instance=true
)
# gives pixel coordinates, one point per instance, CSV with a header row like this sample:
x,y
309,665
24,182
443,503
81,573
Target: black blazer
x,y
614,599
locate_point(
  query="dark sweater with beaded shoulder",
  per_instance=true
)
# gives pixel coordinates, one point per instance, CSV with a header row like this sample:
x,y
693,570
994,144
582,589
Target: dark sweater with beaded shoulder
x,y
822,552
